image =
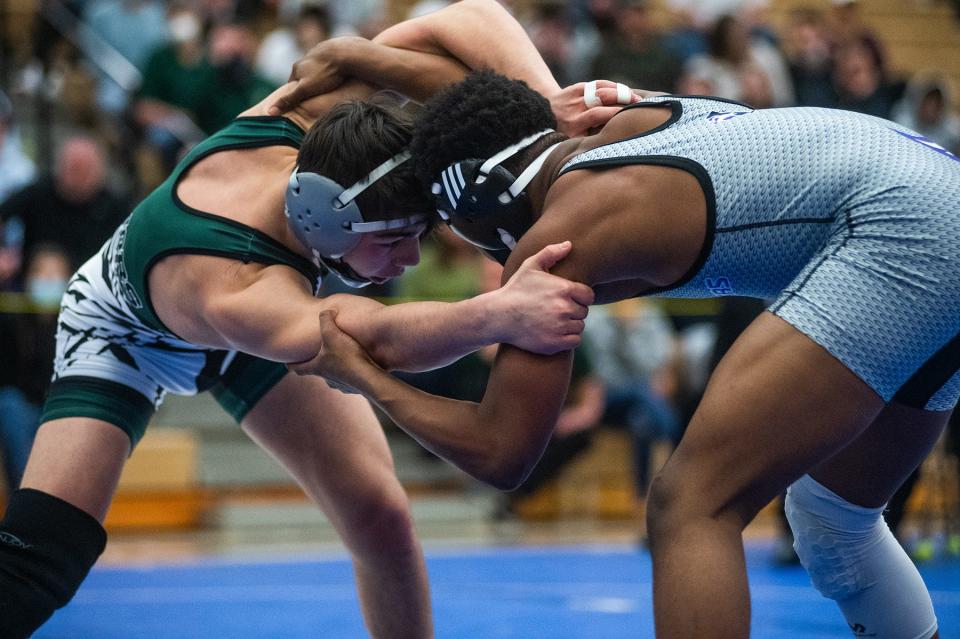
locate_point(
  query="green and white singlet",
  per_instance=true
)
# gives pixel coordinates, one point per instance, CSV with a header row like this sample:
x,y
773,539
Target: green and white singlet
x,y
115,359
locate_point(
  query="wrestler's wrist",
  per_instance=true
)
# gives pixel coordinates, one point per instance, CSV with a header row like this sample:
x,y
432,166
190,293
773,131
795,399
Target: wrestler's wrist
x,y
490,313
348,54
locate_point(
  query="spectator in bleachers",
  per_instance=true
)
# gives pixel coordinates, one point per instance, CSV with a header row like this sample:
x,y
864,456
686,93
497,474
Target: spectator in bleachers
x,y
928,108
423,7
738,67
634,350
134,28
72,207
365,18
810,60
847,26
636,54
683,37
16,169
552,33
174,83
284,46
27,345
860,79
234,85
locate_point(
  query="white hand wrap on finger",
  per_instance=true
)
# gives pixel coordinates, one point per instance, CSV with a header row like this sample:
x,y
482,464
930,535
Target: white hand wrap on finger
x,y
590,97
624,94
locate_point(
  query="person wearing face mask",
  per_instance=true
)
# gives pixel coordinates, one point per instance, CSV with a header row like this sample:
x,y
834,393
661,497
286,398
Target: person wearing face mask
x,y
26,349
173,86
234,83
281,48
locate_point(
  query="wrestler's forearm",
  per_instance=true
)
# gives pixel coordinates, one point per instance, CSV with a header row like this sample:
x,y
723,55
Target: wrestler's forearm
x,y
498,441
415,74
450,429
479,34
422,336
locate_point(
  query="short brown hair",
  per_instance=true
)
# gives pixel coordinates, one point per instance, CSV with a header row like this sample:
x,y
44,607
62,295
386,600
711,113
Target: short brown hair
x,y
353,139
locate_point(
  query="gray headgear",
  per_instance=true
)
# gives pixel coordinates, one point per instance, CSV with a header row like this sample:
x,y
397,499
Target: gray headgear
x,y
326,219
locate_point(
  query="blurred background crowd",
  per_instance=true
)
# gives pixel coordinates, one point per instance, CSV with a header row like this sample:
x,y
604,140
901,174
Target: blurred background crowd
x,y
101,97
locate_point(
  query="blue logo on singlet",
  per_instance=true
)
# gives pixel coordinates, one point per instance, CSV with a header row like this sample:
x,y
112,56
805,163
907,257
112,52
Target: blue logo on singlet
x,y
927,142
716,117
718,285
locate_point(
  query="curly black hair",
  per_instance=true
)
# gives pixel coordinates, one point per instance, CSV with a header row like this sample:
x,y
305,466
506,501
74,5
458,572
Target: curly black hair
x,y
353,139
475,118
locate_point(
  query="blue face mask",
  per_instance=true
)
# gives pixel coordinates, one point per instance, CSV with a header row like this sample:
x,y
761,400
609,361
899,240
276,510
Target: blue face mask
x,y
46,292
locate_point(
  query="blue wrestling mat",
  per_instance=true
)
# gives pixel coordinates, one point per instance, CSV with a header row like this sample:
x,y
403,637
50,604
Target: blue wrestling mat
x,y
575,592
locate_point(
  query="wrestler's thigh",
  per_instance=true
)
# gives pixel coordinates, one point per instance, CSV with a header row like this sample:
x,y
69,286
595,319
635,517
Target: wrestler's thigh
x,y
870,469
329,441
777,404
79,460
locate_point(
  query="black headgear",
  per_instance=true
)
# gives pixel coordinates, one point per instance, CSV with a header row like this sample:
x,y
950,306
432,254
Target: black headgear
x,y
484,203
326,219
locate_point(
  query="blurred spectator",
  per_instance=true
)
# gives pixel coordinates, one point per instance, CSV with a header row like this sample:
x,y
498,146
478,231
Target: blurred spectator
x,y
174,84
234,85
846,26
16,169
284,46
423,7
704,13
740,69
928,108
72,207
552,33
27,347
807,48
134,28
634,348
635,54
860,80
360,17
683,37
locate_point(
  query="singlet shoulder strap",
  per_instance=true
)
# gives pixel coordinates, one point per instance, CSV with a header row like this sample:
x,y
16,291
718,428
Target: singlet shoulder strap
x,y
241,133
163,225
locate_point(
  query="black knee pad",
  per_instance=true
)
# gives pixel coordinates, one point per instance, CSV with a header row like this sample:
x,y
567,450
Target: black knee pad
x,y
47,547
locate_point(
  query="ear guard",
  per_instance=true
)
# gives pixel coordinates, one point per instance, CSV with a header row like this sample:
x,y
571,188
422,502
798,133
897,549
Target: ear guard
x,y
484,203
326,219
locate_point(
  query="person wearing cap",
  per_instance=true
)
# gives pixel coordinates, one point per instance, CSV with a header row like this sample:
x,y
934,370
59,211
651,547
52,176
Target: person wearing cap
x,y
210,285
836,393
